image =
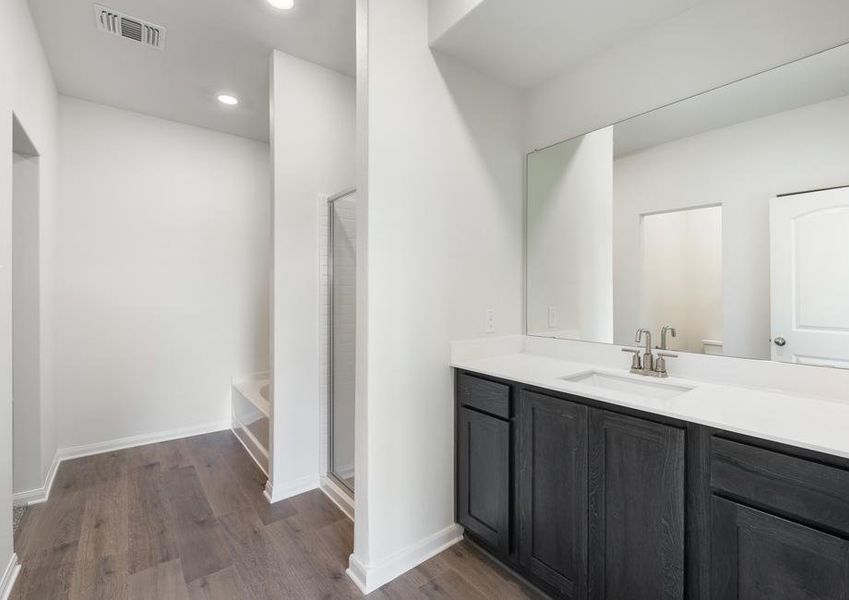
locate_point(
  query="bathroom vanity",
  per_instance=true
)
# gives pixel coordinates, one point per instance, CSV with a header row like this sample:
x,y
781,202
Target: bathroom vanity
x,y
716,465
614,498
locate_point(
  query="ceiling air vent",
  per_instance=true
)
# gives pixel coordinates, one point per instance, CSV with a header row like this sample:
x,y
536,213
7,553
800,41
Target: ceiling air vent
x,y
140,31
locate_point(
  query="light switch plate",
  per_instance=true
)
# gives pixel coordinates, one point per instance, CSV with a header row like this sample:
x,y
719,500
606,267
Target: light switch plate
x,y
552,317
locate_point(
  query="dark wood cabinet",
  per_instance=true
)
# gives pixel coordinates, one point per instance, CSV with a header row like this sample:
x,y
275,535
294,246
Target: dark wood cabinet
x,y
484,395
589,500
552,483
758,556
779,525
636,508
798,489
483,477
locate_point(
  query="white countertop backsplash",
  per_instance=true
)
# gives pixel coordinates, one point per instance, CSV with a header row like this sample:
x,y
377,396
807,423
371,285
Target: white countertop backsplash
x,y
807,407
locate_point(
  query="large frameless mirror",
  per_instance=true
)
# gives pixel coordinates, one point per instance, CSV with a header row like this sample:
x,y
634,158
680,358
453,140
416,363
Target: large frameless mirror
x,y
721,221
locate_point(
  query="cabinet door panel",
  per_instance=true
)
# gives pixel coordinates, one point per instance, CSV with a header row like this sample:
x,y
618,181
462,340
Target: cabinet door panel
x,y
758,556
483,484
636,506
553,492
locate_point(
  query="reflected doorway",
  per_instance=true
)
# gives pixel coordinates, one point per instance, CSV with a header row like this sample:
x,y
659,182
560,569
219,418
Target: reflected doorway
x,y
681,278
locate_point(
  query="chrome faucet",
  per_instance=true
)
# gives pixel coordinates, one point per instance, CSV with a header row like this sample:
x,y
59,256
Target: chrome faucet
x,y
671,331
647,364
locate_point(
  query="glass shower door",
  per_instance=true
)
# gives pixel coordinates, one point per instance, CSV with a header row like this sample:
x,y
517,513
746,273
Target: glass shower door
x,y
343,315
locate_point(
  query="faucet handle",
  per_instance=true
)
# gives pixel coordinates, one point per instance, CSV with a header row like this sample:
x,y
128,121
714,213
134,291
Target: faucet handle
x,y
660,363
636,363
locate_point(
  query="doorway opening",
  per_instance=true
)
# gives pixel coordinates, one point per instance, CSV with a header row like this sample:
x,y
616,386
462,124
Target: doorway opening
x,y
26,400
681,279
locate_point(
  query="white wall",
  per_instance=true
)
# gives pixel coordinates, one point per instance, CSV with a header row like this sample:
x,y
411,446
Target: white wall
x,y
711,44
440,241
26,88
163,248
569,245
740,167
312,140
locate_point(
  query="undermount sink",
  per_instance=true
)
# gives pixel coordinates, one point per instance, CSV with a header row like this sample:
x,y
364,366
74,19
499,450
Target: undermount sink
x,y
620,383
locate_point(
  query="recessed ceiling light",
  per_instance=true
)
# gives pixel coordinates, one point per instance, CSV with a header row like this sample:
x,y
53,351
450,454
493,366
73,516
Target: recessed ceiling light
x,y
284,4
228,99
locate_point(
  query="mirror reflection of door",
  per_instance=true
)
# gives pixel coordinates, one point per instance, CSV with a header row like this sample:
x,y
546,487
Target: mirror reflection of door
x,y
809,250
681,279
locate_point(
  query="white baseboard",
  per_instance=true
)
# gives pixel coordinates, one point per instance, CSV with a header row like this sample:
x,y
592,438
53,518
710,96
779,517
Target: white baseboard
x,y
276,493
41,494
141,440
357,573
339,496
10,574
370,577
38,495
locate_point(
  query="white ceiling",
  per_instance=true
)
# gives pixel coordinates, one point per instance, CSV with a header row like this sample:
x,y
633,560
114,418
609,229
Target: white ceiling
x,y
211,46
526,43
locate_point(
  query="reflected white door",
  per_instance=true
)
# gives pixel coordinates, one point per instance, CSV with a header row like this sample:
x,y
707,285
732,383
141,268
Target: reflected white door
x,y
809,256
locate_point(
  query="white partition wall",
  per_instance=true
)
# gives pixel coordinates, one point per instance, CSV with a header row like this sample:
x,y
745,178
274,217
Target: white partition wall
x,y
570,246
439,227
312,145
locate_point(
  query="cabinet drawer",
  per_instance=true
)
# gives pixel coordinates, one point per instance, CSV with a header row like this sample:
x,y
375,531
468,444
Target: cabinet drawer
x,y
804,489
484,395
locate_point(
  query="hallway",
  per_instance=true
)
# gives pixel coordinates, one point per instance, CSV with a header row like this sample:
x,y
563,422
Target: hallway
x,y
186,519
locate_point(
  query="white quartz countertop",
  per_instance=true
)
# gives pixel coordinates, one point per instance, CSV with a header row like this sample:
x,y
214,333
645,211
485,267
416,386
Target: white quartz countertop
x,y
812,423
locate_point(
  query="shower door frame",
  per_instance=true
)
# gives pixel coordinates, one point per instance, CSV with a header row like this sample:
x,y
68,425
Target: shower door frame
x,y
330,341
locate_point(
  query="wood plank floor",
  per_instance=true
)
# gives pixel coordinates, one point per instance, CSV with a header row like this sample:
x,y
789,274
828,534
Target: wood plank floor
x,y
186,520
